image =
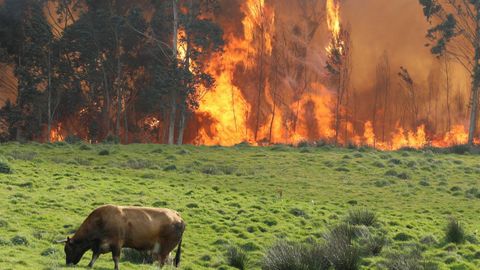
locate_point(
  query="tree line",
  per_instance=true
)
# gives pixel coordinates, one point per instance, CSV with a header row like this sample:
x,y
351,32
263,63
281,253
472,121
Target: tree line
x,y
105,66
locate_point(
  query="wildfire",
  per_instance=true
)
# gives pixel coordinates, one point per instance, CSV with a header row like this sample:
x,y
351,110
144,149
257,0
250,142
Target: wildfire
x,y
333,17
246,92
334,26
56,134
226,104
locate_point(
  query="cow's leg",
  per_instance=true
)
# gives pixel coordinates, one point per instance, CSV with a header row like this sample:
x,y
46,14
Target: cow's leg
x,y
116,255
94,258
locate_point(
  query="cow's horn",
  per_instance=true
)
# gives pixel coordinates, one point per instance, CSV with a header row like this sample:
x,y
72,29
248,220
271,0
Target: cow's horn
x,y
61,241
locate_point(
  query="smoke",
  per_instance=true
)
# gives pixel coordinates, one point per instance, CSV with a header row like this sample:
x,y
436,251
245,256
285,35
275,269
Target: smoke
x,y
398,28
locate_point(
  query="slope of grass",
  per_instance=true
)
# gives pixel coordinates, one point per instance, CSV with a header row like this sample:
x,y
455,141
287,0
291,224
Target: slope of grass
x,y
248,197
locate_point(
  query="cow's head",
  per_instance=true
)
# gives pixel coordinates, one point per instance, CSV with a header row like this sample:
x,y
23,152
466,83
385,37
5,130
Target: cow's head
x,y
74,250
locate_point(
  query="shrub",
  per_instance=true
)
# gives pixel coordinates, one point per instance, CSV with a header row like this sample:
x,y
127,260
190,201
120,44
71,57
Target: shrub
x,y
373,244
293,256
19,240
210,169
237,257
378,164
305,150
403,176
454,232
298,212
401,236
473,193
459,149
391,173
5,168
170,168
110,139
104,152
411,260
303,144
339,249
48,252
23,155
279,147
395,161
135,256
85,147
138,164
381,183
72,139
361,217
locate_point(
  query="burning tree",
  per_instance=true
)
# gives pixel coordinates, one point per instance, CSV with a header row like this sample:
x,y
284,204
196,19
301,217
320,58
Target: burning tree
x,y
339,60
456,32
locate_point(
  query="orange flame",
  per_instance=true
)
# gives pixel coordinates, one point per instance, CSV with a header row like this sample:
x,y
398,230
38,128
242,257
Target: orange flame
x,y
56,134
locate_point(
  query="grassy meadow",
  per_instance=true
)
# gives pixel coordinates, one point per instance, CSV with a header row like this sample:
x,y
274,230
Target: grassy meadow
x,y
245,197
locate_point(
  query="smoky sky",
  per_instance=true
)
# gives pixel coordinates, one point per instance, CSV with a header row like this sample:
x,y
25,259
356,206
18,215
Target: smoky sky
x,y
398,28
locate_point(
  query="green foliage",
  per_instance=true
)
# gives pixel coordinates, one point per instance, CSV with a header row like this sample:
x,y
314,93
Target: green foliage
x,y
18,240
293,256
237,258
73,139
361,217
340,250
406,260
135,256
5,168
454,232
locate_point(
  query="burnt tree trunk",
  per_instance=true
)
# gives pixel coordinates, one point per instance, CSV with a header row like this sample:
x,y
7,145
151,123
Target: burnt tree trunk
x,y
173,94
476,79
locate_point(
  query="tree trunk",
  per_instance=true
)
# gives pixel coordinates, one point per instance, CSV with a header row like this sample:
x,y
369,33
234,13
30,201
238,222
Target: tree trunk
x,y
125,125
49,87
447,77
173,95
260,81
476,80
181,125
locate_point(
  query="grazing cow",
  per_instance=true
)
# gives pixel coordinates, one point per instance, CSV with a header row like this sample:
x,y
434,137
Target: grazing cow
x,y
109,228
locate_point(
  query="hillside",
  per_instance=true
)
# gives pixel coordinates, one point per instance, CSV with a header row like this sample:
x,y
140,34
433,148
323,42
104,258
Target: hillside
x,y
244,196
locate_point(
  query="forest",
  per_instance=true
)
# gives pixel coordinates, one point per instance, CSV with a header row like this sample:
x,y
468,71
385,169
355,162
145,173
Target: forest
x,y
211,72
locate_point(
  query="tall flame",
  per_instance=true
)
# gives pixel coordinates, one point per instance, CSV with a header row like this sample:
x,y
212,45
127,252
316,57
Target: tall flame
x,y
226,104
333,17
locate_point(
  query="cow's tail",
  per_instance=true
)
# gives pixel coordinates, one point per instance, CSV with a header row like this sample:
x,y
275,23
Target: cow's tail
x,y
180,230
179,252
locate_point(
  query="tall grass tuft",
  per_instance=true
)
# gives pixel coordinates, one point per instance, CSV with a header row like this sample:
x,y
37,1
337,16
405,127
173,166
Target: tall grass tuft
x,y
294,256
340,250
454,232
361,217
237,257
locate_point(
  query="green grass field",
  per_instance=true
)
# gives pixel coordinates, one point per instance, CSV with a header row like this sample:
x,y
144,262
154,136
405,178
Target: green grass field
x,y
249,197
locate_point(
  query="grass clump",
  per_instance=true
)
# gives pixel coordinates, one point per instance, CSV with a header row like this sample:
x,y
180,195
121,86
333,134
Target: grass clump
x,y
340,250
135,256
18,240
410,260
361,217
137,164
294,256
237,258
104,152
72,139
5,168
23,155
454,232
401,236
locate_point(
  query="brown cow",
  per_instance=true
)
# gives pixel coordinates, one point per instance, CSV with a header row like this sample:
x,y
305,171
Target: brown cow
x,y
109,228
